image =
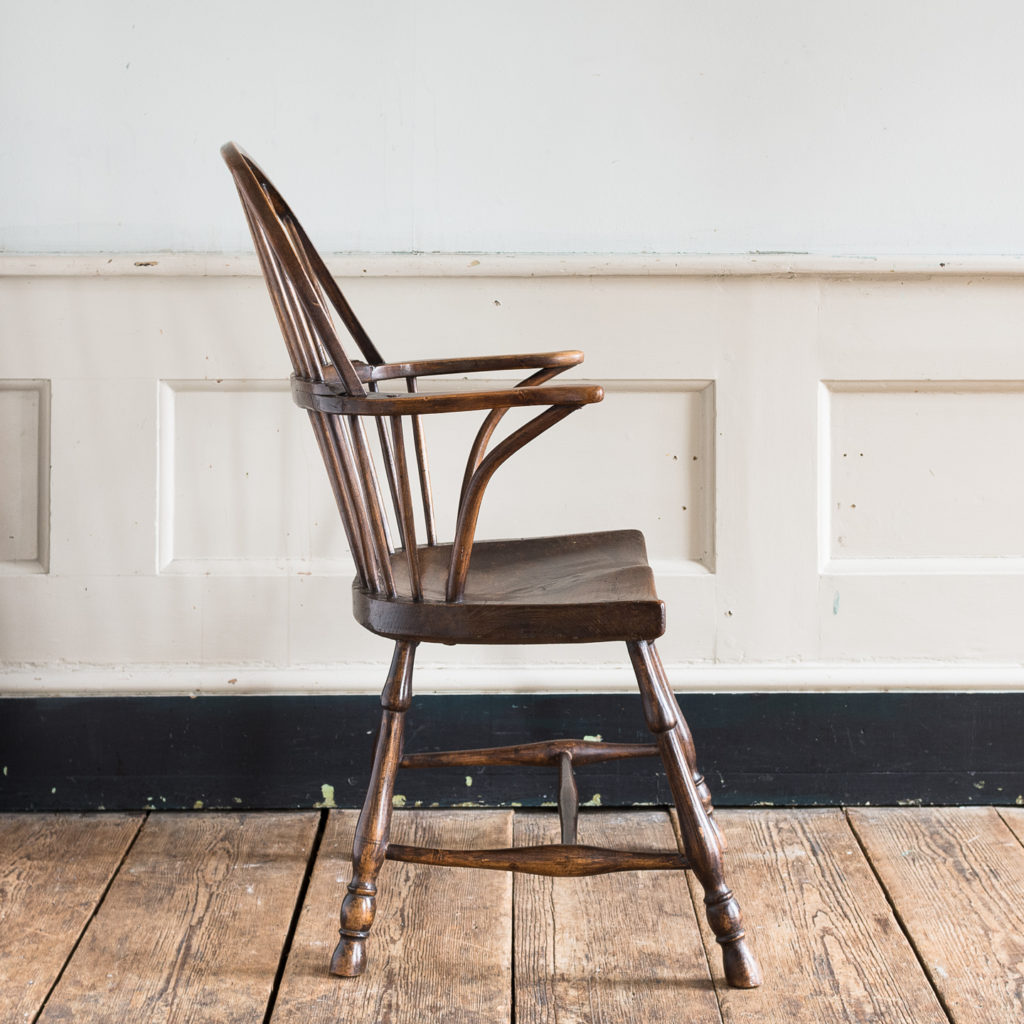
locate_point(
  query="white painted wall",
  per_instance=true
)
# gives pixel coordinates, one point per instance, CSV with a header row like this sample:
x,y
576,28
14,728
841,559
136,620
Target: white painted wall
x,y
534,126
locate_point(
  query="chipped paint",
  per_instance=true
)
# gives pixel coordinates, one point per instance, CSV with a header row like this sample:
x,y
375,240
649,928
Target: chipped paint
x,y
469,780
398,800
594,801
5,770
466,803
763,803
1019,801
327,791
596,738
197,806
548,803
835,603
979,785
909,802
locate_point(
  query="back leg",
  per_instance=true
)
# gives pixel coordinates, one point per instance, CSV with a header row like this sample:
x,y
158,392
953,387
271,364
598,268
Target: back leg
x,y
700,837
371,839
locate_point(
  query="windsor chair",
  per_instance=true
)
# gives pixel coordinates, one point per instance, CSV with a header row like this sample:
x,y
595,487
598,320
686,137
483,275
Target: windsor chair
x,y
571,589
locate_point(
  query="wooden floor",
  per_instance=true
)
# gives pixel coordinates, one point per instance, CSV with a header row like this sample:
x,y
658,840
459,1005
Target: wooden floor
x,y
901,916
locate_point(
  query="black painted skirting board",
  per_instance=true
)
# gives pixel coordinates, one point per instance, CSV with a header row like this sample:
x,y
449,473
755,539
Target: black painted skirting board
x,y
804,749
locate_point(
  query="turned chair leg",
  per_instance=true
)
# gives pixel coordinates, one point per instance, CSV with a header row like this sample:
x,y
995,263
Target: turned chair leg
x,y
374,825
700,835
682,729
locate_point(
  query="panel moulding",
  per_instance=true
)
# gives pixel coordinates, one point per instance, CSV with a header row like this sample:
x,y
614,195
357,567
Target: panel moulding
x,y
25,477
242,491
357,678
919,478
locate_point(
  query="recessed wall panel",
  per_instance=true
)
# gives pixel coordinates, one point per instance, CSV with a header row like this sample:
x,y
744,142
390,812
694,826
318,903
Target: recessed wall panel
x,y
242,485
24,475
244,490
924,470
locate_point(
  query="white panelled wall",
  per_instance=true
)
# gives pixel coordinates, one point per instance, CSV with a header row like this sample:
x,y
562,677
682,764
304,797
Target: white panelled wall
x,y
821,447
824,462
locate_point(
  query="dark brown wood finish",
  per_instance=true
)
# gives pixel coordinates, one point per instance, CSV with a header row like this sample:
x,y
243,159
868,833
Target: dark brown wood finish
x,y
579,588
559,860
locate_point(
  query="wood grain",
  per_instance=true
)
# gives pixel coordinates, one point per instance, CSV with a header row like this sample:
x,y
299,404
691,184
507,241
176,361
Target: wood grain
x,y
439,947
194,923
829,946
54,869
956,878
609,949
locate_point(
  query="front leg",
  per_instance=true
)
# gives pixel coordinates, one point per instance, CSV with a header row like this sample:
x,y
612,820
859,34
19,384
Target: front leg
x,y
700,838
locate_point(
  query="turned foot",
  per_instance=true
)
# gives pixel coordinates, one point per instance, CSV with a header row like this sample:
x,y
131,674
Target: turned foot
x,y
349,958
357,913
740,965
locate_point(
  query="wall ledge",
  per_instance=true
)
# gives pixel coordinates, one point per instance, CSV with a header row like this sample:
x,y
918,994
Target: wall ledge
x,y
354,265
366,679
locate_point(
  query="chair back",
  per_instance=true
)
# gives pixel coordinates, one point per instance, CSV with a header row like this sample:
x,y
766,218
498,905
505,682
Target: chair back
x,y
309,307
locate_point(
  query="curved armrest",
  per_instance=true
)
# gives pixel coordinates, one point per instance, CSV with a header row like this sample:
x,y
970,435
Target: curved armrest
x,y
469,364
328,397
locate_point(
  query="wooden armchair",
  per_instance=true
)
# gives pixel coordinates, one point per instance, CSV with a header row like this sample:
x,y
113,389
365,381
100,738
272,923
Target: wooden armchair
x,y
573,589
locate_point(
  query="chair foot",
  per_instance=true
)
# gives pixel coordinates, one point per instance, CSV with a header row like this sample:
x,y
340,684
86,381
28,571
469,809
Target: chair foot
x,y
739,963
349,958
741,967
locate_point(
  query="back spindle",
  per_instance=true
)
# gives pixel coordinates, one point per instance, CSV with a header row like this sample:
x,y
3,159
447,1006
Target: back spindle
x,y
423,470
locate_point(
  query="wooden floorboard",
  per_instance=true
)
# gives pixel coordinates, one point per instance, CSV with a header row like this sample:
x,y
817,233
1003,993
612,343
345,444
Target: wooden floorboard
x,y
829,945
1014,818
612,948
54,869
884,916
956,878
440,949
193,925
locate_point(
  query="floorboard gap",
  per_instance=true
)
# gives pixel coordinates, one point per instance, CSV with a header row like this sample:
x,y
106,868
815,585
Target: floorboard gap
x,y
1002,817
899,918
92,917
300,901
512,951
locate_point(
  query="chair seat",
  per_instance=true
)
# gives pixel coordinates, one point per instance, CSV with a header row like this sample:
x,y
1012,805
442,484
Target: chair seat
x,y
579,588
